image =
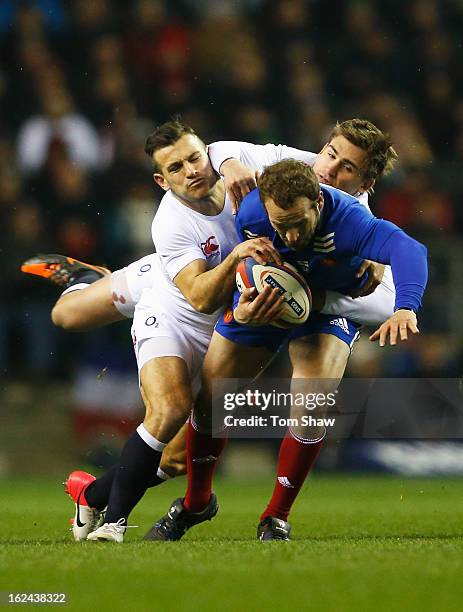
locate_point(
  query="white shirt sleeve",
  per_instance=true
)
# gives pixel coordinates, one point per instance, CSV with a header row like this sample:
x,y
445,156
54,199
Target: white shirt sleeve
x,y
255,156
363,199
176,249
372,309
177,253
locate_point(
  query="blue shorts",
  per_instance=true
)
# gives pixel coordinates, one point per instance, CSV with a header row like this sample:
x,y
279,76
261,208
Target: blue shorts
x,y
344,329
272,337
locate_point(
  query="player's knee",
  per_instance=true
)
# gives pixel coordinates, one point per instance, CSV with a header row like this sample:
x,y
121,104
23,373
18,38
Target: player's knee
x,y
65,317
325,359
329,362
173,408
326,369
174,403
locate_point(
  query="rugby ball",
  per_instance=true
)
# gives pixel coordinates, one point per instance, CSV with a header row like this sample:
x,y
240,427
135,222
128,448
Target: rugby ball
x,y
298,299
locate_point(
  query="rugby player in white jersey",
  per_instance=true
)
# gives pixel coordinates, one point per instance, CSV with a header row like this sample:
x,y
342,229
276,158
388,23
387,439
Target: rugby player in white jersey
x,y
159,336
198,251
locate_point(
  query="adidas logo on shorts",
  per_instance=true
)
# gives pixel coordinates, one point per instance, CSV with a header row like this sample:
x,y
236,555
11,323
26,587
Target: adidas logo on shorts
x,y
342,323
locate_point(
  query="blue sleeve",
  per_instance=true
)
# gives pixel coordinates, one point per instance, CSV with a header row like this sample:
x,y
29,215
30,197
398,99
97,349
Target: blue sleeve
x,y
239,228
251,219
382,241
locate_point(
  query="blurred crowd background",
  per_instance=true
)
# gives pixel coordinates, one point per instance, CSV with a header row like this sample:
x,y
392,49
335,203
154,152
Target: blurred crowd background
x,y
82,83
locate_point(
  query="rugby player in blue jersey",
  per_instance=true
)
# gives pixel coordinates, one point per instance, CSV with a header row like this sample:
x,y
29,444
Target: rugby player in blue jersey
x,y
326,234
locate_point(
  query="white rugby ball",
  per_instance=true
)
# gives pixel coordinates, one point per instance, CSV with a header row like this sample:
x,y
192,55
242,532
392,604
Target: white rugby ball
x,y
298,299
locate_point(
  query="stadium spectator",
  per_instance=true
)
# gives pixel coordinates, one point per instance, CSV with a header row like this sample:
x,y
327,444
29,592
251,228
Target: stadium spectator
x,y
58,121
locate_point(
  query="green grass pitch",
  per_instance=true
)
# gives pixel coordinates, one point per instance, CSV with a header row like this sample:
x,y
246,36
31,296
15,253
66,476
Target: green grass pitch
x,y
360,543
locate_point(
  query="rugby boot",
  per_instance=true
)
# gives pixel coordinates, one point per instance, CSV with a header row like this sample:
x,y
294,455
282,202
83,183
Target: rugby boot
x,y
86,519
272,528
109,532
178,520
59,269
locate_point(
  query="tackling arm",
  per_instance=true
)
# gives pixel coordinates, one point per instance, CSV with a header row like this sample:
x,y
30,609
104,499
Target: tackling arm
x,y
208,290
240,162
254,156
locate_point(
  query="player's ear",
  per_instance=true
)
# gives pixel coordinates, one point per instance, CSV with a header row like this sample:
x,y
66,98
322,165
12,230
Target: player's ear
x,y
320,201
161,181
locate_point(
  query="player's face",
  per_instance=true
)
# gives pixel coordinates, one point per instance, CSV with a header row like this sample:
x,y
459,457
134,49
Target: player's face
x,y
339,164
185,168
296,225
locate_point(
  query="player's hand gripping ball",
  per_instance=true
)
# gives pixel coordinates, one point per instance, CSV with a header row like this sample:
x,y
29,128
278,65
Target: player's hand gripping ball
x,y
296,292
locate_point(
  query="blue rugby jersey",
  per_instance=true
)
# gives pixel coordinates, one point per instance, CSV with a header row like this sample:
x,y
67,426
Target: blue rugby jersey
x,y
347,234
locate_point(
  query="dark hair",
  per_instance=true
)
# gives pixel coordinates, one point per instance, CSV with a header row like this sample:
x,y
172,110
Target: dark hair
x,y
287,180
381,155
165,135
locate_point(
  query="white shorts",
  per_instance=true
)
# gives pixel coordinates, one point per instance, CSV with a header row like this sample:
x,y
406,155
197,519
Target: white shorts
x,y
128,283
157,333
371,309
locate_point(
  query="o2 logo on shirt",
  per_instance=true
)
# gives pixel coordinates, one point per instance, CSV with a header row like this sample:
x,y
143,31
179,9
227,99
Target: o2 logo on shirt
x,y
144,268
150,321
209,248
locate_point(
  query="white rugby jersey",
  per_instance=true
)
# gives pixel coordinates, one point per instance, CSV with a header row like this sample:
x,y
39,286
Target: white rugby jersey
x,y
182,235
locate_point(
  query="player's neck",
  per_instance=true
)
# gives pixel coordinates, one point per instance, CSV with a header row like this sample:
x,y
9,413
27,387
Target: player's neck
x,y
211,205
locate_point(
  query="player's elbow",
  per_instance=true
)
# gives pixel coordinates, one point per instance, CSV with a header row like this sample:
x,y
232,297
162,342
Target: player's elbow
x,y
207,308
203,305
419,254
415,248
422,249
408,249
